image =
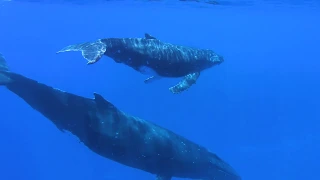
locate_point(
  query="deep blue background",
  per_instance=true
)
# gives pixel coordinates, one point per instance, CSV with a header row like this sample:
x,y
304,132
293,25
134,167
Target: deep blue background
x,y
259,110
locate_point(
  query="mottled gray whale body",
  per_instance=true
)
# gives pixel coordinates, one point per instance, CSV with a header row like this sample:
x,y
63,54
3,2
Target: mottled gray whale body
x,y
150,55
118,136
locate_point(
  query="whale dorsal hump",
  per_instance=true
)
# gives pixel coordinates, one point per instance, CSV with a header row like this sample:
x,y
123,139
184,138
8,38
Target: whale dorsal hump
x,y
101,103
148,36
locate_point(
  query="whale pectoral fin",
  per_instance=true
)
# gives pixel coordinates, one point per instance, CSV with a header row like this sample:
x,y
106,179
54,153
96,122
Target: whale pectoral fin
x,y
185,83
160,177
148,36
151,79
91,51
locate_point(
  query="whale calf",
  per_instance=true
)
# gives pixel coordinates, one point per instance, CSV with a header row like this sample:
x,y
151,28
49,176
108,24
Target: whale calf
x,y
149,55
118,136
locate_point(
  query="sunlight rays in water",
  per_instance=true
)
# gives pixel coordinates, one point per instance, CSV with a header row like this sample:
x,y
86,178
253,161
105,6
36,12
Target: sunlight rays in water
x,y
3,2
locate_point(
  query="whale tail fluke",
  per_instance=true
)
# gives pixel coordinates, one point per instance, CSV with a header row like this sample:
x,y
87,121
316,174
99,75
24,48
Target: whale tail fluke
x,y
91,51
4,71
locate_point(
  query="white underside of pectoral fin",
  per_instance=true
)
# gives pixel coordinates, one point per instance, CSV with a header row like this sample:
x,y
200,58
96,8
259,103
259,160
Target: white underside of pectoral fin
x,y
185,83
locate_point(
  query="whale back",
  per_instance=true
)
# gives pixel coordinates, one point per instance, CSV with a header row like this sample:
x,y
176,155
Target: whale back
x,y
168,60
154,49
157,150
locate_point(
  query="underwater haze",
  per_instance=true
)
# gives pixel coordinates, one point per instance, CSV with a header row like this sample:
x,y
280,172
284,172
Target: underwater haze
x,y
259,110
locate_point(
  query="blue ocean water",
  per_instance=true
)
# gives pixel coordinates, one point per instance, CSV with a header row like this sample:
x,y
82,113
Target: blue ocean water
x,y
259,110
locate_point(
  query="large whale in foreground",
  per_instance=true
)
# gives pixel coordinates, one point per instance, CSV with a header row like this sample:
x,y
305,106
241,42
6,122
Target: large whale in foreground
x,y
118,136
149,55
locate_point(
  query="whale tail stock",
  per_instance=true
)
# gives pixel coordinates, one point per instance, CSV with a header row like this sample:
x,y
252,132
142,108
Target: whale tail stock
x,y
91,51
4,71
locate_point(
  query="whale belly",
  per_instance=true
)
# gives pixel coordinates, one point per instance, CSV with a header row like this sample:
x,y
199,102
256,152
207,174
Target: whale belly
x,y
148,71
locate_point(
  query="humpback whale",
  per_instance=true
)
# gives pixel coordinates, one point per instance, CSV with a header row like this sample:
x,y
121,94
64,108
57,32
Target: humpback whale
x,y
149,55
118,136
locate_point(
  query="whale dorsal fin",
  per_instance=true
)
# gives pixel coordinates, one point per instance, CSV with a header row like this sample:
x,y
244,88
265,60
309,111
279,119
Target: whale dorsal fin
x,y
102,104
185,83
160,177
148,36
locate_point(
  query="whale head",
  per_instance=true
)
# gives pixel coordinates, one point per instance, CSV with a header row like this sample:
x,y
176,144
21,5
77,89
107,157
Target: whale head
x,y
216,59
219,169
212,59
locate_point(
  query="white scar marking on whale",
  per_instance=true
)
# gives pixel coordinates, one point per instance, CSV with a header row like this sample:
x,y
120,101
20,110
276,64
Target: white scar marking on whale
x,y
148,71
